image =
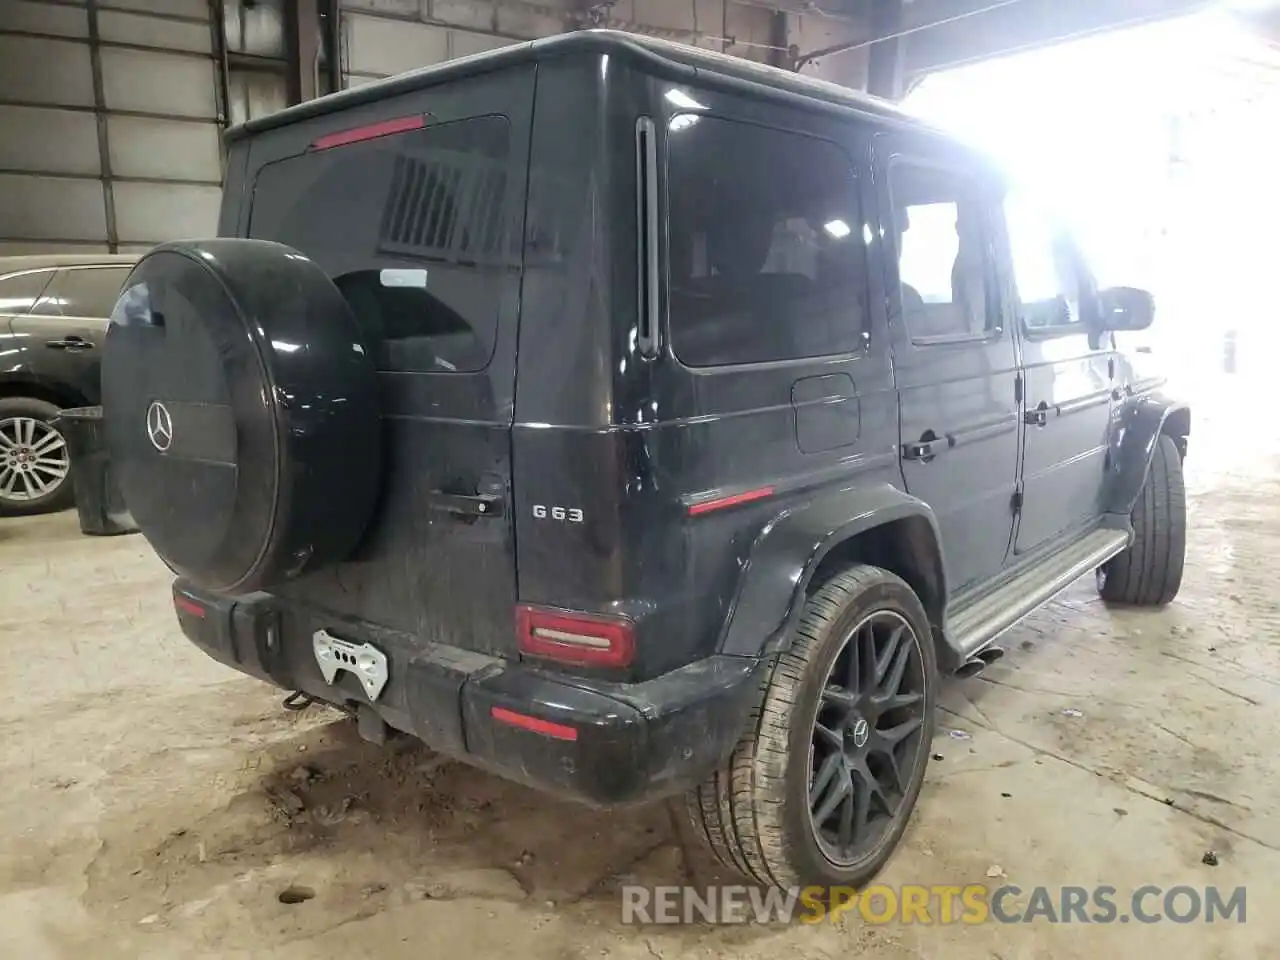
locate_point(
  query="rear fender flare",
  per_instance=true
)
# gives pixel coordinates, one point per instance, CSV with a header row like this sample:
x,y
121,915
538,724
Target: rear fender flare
x,y
1134,445
791,547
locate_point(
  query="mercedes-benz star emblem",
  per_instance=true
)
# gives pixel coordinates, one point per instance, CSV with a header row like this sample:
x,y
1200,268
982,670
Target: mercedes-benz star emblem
x,y
159,426
861,731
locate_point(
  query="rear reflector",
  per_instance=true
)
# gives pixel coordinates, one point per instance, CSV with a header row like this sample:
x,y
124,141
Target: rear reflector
x,y
185,604
575,638
383,128
731,501
559,731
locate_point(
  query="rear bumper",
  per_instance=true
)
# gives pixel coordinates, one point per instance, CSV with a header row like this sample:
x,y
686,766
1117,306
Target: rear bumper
x,y
603,743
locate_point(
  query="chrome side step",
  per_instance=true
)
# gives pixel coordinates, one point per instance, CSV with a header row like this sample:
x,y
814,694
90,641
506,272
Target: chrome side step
x,y
976,624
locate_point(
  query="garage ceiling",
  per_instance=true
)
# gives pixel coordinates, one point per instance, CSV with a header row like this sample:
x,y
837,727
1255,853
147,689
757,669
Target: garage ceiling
x,y
112,109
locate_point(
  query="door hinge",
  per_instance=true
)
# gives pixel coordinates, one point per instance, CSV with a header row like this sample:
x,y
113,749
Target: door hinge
x,y
1111,368
1015,502
1017,389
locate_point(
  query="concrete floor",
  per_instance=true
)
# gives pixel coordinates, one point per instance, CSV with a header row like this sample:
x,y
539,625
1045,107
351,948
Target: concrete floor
x,y
149,797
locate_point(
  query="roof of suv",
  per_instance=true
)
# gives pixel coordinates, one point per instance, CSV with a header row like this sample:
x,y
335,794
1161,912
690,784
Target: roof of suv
x,y
49,260
671,58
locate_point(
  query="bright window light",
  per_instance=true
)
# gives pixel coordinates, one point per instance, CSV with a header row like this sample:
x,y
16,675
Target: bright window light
x,y
837,228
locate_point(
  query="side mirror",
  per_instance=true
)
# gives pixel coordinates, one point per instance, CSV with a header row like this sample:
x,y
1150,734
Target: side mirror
x,y
1125,308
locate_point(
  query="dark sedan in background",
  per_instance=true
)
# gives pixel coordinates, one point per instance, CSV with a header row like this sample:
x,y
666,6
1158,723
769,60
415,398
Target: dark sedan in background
x,y
54,312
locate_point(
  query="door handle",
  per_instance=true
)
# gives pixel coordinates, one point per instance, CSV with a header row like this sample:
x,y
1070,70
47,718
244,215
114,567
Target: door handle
x,y
72,343
464,505
921,450
1117,394
926,448
1039,417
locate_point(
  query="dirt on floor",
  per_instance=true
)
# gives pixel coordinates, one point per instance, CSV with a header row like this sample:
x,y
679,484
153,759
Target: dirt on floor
x,y
156,804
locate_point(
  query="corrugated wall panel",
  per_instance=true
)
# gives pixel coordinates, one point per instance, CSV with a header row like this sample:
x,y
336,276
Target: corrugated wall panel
x,y
254,94
10,248
159,83
193,9
163,149
34,70
148,212
117,27
33,17
379,46
258,29
51,208
41,140
464,44
152,170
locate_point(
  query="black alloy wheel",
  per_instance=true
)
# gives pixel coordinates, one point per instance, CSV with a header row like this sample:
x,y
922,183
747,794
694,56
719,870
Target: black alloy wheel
x,y
867,734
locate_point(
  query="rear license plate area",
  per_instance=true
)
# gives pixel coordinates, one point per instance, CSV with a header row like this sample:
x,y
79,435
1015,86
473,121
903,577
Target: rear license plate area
x,y
363,661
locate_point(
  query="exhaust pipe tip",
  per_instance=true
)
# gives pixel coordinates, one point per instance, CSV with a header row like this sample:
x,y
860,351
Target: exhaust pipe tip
x,y
980,661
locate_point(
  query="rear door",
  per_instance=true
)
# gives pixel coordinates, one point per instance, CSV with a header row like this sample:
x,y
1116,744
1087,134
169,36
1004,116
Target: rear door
x,y
65,329
414,207
955,360
19,292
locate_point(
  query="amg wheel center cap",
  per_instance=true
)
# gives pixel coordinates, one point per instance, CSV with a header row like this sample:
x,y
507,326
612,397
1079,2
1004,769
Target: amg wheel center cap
x,y
861,732
159,426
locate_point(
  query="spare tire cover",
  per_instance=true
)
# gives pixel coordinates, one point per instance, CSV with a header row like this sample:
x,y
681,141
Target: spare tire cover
x,y
241,412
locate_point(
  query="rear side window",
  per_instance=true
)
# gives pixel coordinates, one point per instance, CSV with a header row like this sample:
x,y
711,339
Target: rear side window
x,y
19,293
415,229
82,292
944,253
766,259
1046,276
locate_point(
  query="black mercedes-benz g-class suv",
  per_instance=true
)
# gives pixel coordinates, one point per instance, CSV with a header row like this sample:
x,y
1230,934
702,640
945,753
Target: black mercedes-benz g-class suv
x,y
637,423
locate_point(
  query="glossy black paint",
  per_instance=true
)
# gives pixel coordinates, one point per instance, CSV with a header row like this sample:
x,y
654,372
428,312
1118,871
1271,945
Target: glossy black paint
x,y
1133,442
440,575
633,743
268,399
957,394
791,548
47,351
698,502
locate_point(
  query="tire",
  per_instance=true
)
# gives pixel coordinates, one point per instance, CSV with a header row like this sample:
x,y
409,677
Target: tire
x,y
20,419
242,413
1149,572
754,813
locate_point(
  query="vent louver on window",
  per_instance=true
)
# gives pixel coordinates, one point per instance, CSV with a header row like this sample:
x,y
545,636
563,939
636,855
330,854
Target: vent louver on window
x,y
447,207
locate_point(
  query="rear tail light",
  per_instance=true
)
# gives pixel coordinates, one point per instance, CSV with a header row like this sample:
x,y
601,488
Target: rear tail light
x,y
576,638
184,604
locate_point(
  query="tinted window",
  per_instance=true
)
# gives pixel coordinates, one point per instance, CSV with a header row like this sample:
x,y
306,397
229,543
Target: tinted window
x,y
19,294
1044,271
767,258
944,259
414,228
82,292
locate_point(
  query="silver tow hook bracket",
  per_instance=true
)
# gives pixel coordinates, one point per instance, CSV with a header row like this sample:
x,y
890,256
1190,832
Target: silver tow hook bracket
x,y
363,660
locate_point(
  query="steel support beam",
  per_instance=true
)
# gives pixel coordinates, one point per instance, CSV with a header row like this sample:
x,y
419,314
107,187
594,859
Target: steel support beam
x,y
104,145
886,57
778,27
302,49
